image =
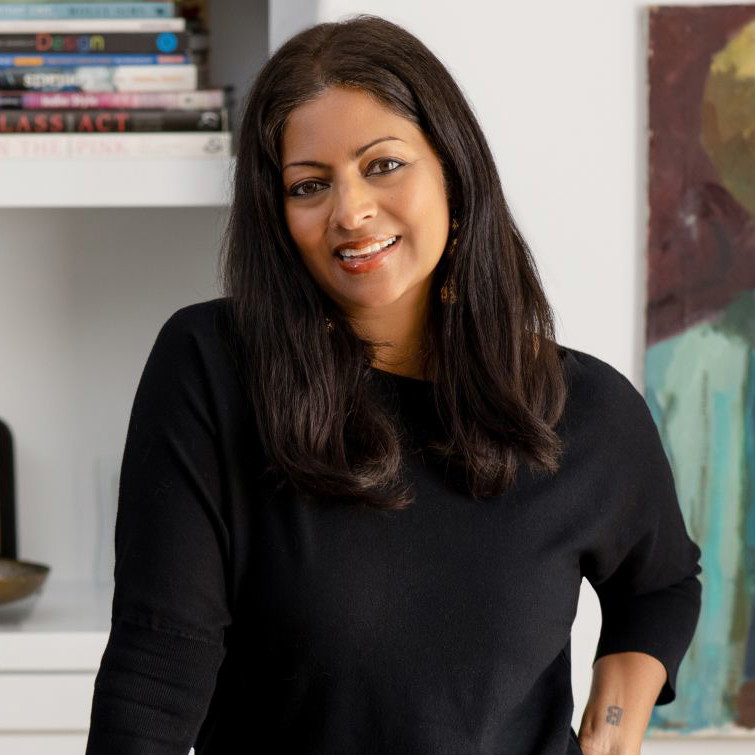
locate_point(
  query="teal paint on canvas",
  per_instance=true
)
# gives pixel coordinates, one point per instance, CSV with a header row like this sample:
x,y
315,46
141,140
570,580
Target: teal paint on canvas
x,y
700,387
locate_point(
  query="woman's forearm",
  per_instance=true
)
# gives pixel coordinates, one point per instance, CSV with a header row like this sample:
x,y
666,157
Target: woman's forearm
x,y
624,689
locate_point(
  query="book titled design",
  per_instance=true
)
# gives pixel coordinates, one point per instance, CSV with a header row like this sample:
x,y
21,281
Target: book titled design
x,y
84,43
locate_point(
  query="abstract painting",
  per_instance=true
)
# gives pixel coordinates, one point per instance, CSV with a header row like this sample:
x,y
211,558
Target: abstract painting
x,y
699,371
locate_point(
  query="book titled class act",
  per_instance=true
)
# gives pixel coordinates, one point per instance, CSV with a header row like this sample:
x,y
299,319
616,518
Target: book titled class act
x,y
107,120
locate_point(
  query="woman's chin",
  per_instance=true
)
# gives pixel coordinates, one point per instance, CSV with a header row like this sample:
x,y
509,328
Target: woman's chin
x,y
378,301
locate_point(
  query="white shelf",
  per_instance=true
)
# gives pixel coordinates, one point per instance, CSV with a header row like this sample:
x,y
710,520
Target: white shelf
x,y
85,286
153,182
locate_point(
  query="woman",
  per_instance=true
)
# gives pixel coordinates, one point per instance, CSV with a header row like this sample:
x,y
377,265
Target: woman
x,y
359,493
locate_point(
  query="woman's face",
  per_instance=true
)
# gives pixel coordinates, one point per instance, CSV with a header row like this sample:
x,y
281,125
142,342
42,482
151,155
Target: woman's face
x,y
368,175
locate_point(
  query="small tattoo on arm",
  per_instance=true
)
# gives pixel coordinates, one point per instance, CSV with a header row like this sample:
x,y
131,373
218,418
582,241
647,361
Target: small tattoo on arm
x,y
613,716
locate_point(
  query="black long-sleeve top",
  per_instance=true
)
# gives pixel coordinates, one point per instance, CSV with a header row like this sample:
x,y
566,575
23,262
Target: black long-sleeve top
x,y
250,622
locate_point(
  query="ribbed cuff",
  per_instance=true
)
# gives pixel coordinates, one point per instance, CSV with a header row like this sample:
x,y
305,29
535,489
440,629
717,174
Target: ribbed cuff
x,y
152,691
659,623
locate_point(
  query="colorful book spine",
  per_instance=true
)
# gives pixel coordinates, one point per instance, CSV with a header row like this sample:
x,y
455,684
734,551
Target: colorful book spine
x,y
55,60
165,43
113,146
163,78
19,11
206,99
110,121
84,25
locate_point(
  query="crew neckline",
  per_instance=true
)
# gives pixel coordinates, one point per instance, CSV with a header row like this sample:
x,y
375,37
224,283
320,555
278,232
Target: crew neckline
x,y
405,378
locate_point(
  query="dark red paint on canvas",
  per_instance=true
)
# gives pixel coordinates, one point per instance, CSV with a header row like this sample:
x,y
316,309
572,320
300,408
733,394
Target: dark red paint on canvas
x,y
701,241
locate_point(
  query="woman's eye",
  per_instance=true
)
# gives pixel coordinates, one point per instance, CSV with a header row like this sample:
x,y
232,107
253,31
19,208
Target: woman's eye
x,y
387,160
295,190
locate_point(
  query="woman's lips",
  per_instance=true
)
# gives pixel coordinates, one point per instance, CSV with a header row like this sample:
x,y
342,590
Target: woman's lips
x,y
367,264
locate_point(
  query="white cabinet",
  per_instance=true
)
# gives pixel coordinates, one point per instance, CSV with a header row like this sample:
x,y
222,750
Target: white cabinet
x,y
43,744
94,257
50,649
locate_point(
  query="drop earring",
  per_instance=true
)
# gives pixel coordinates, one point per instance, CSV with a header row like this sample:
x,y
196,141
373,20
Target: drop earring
x,y
329,324
454,229
448,290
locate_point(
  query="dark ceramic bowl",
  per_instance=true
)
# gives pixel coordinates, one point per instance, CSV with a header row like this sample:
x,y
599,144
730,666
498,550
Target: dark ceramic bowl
x,y
20,578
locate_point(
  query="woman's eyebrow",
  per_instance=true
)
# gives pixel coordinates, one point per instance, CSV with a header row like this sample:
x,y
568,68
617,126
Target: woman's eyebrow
x,y
357,153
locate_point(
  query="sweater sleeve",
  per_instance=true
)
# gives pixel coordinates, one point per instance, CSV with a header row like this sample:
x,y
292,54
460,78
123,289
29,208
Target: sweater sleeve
x,y
645,569
170,609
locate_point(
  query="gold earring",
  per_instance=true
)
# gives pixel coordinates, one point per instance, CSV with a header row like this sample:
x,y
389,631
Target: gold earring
x,y
329,325
448,292
454,228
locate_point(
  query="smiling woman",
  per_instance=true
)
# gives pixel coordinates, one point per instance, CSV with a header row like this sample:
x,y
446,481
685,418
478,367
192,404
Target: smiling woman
x,y
359,493
370,235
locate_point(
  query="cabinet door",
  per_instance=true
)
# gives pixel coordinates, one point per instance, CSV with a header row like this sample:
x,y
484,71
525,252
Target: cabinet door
x,y
43,744
40,702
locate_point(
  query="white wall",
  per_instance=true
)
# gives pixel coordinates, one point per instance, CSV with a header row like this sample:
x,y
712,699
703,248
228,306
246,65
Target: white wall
x,y
559,89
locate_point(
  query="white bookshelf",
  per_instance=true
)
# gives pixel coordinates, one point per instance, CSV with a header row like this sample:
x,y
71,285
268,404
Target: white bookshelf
x,y
94,256
155,182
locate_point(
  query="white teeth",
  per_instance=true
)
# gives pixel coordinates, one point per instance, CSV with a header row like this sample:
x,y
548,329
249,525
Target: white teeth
x,y
368,249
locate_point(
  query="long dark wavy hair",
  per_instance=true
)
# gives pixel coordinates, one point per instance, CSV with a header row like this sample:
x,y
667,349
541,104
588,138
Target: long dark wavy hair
x,y
496,371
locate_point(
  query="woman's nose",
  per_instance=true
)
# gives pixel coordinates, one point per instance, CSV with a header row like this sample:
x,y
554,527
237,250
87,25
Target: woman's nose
x,y
353,203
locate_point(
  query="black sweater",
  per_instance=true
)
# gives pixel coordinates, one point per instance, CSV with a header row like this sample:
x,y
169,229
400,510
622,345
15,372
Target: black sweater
x,y
246,622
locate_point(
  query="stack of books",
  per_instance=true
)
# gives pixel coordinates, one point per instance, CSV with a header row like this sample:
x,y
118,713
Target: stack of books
x,y
109,79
